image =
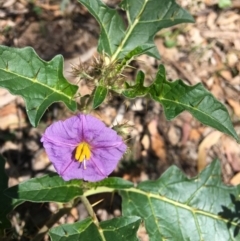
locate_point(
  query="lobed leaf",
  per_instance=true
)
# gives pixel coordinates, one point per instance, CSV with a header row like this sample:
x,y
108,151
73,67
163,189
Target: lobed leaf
x,y
145,19
117,229
175,207
46,189
40,83
7,204
177,97
111,24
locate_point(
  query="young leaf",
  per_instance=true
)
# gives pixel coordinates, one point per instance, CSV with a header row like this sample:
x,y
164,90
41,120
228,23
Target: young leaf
x,y
117,229
177,97
7,204
175,207
145,19
133,53
99,96
40,83
46,189
137,90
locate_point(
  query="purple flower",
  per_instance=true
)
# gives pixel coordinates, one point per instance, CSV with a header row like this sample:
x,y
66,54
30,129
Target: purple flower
x,y
82,147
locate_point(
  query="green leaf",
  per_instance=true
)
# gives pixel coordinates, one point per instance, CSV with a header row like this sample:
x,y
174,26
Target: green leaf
x,y
99,96
177,97
137,90
175,207
145,19
112,182
133,53
111,24
46,189
7,204
117,229
40,83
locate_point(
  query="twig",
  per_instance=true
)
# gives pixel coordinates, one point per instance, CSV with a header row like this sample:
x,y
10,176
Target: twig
x,y
91,212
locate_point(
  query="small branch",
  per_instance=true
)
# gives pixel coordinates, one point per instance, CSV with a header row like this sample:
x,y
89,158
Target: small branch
x,y
89,208
91,212
66,210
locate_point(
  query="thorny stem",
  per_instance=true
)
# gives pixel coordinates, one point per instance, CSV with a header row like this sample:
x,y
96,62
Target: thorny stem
x,y
65,210
91,212
89,208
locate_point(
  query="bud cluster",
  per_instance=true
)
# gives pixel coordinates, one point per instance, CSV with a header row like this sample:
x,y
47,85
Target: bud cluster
x,y
101,72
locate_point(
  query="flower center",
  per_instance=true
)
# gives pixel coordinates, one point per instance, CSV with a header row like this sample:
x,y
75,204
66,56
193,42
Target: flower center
x,y
83,153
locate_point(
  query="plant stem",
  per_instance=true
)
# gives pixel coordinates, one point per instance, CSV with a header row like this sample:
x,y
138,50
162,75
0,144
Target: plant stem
x,y
91,212
98,190
89,208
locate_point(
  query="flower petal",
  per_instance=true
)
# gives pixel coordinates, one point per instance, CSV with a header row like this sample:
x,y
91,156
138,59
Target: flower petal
x,y
67,132
59,155
61,139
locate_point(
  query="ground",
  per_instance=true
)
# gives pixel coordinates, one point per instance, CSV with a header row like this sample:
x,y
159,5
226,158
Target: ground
x,y
207,51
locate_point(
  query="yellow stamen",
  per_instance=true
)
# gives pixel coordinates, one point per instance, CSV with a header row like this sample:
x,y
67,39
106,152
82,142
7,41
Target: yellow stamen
x,y
83,153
